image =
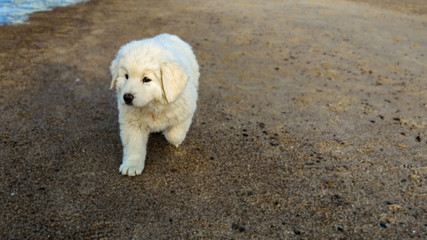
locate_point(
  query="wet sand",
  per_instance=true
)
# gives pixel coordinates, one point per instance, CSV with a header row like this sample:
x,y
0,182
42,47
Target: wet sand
x,y
312,124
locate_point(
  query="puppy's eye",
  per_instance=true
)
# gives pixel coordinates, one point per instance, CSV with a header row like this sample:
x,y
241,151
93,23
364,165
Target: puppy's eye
x,y
126,76
146,79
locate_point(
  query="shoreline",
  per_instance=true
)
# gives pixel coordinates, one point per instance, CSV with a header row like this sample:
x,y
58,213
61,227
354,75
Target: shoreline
x,y
417,7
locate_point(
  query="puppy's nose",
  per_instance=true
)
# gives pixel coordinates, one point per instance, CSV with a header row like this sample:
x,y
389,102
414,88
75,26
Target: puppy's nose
x,y
128,98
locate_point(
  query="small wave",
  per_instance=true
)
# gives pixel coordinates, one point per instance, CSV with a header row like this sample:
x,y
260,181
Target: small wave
x,y
17,11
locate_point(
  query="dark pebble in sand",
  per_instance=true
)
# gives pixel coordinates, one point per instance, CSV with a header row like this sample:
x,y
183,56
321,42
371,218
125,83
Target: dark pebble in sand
x,y
238,227
250,193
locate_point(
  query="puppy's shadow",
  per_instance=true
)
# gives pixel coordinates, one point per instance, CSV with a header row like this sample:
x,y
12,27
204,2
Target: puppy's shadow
x,y
158,149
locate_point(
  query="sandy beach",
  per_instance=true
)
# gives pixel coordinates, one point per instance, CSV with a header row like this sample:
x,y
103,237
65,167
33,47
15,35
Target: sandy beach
x,y
311,123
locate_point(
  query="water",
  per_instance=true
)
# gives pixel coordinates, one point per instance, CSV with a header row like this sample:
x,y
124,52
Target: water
x,y
17,11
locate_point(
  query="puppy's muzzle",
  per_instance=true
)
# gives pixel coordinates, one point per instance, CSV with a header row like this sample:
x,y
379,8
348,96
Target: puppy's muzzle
x,y
128,98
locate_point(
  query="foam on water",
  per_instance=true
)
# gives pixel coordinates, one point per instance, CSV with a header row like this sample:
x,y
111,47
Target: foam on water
x,y
17,11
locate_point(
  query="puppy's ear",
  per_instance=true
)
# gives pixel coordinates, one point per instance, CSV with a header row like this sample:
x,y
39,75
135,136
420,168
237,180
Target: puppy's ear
x,y
114,70
173,80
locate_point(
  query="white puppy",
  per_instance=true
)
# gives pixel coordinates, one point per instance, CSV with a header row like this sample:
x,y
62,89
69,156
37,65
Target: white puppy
x,y
156,81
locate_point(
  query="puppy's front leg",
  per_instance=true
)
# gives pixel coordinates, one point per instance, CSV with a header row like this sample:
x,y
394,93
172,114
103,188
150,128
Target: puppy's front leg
x,y
134,141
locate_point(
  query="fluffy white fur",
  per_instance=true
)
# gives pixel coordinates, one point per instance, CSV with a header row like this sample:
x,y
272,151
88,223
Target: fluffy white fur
x,y
164,102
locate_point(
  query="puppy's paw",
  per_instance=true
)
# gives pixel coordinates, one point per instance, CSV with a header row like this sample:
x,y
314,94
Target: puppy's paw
x,y
174,139
176,134
130,170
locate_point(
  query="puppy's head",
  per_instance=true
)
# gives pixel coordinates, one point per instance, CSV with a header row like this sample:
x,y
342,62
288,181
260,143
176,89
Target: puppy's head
x,y
144,71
